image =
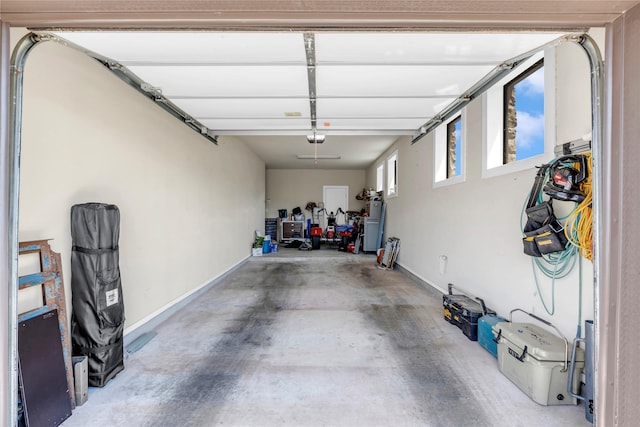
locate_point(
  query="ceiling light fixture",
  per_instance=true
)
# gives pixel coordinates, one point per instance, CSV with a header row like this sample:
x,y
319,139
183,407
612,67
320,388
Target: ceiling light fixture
x,y
318,157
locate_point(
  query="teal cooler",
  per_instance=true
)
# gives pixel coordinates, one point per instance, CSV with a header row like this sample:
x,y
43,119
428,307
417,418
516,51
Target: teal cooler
x,y
485,332
486,338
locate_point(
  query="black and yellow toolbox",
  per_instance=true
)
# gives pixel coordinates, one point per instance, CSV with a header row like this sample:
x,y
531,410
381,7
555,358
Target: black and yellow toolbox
x,y
462,311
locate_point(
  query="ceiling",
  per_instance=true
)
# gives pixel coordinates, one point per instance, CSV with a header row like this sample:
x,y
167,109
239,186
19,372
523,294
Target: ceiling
x,y
382,81
271,89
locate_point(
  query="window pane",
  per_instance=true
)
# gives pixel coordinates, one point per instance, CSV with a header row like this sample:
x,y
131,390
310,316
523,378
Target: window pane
x,y
524,115
454,143
392,172
380,178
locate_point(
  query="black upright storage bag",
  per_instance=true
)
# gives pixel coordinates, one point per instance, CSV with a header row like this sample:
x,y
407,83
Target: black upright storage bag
x,y
97,319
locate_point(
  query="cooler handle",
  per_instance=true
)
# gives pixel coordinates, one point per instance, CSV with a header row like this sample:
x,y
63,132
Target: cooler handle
x,y
576,341
566,343
521,357
497,339
485,310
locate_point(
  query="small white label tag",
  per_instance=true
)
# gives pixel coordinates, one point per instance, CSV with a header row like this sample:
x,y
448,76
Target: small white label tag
x,y
112,297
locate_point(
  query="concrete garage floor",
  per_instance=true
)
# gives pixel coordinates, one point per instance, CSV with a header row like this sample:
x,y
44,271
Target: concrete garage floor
x,y
318,338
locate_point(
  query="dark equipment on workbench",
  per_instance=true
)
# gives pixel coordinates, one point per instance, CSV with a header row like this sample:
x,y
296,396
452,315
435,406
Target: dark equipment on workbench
x,y
97,320
297,214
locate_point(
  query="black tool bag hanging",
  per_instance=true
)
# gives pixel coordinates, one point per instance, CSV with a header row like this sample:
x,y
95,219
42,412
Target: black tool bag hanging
x,y
97,319
543,233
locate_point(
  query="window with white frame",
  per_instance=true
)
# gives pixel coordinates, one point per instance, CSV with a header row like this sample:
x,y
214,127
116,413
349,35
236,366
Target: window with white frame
x,y
392,174
519,117
454,144
380,177
449,151
523,115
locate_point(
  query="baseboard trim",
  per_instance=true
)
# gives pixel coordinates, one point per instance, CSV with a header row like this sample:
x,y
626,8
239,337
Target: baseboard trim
x,y
429,286
154,319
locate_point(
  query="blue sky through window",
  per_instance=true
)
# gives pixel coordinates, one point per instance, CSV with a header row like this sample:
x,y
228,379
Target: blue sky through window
x,y
458,126
530,115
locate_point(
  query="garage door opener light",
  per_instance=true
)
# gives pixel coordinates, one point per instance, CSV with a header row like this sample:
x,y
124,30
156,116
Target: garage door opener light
x,y
315,138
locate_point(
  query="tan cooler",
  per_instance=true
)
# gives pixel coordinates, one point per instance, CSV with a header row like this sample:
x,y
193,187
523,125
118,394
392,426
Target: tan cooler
x,y
537,361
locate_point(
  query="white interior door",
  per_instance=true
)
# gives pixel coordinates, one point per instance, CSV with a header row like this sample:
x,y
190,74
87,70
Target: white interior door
x,y
336,196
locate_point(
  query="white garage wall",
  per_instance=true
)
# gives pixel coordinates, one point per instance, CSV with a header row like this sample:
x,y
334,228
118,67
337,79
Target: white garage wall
x,y
188,207
288,188
476,224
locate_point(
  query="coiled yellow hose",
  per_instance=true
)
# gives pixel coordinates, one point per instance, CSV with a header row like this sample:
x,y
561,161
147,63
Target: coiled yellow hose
x,y
579,223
